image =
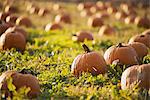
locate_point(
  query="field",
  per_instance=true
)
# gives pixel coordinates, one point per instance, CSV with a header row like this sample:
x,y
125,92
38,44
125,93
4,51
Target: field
x,y
49,56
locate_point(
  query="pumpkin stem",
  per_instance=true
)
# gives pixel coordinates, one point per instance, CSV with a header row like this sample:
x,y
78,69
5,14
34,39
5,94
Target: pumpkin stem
x,y
74,35
120,45
86,49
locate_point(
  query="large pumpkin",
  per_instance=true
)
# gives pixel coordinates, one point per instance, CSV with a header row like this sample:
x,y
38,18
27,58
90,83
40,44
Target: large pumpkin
x,y
17,29
123,53
136,75
82,35
20,80
146,32
145,39
12,40
140,48
90,61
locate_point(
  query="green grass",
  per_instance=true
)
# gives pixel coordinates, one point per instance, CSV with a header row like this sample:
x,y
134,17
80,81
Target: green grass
x,y
49,56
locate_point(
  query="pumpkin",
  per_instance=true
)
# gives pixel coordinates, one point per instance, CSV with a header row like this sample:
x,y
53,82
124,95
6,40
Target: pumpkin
x,y
82,35
29,6
129,19
4,26
53,26
10,9
146,32
17,29
12,40
63,18
103,15
20,80
25,21
34,10
136,75
86,13
140,49
142,22
106,30
95,21
43,11
57,7
120,15
123,53
3,15
90,61
86,5
111,10
100,5
145,39
11,19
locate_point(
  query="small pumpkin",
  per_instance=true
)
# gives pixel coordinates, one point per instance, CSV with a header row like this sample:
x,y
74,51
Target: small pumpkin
x,y
57,7
17,29
43,11
111,10
34,10
86,5
100,5
20,80
106,30
82,35
120,15
125,54
142,22
95,21
145,39
90,61
136,75
3,15
86,13
63,18
12,40
53,26
129,19
25,21
140,49
11,19
10,9
103,15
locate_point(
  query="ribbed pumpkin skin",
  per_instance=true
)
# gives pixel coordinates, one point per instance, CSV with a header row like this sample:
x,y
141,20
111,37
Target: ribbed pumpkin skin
x,y
140,48
145,39
91,62
126,55
12,40
138,74
20,80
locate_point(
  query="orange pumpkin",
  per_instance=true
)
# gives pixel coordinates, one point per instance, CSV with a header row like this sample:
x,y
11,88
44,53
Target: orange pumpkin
x,y
129,19
20,80
145,39
12,40
43,11
123,53
106,30
25,21
140,49
120,15
34,10
103,15
3,15
100,5
53,26
11,19
86,13
17,29
95,21
136,75
86,5
146,32
90,61
63,18
4,26
82,35
10,9
111,10
142,22
57,7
